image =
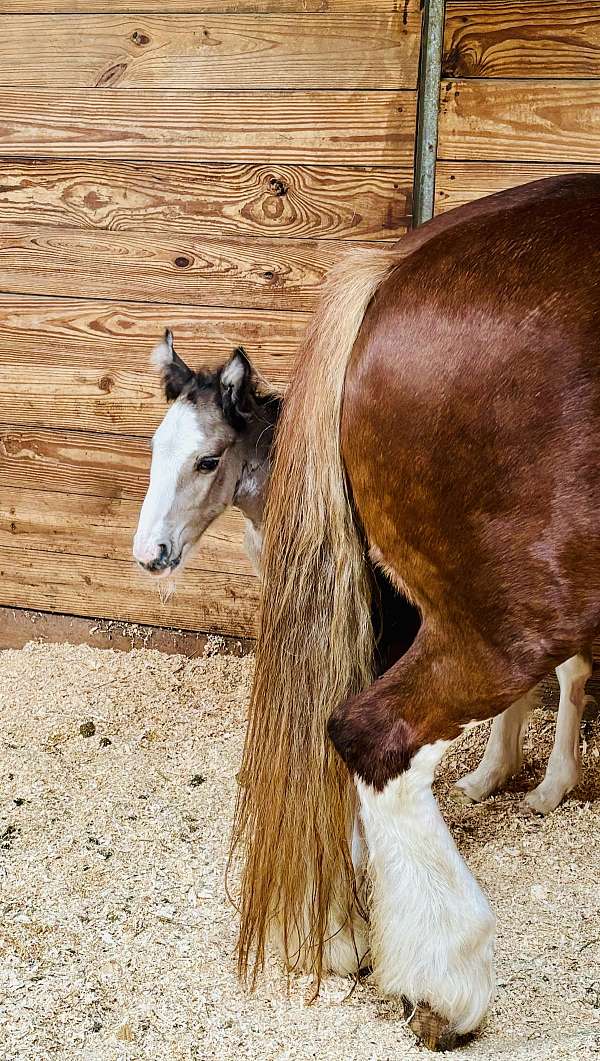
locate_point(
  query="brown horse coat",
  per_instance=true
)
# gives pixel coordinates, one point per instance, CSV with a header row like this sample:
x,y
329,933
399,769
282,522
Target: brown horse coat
x,y
470,435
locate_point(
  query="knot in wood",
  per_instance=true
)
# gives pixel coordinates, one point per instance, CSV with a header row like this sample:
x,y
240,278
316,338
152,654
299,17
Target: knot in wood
x,y
111,76
277,186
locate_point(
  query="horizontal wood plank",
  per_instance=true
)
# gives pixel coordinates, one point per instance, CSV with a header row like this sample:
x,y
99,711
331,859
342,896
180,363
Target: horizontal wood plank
x,y
219,199
104,526
109,398
457,183
19,626
79,585
504,38
392,8
44,329
156,267
211,51
364,128
541,121
76,462
85,365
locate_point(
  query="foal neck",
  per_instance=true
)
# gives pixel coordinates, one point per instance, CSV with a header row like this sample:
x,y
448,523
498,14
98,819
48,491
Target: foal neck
x,y
256,445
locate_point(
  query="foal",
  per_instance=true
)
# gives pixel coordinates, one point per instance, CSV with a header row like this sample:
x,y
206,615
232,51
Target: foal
x,y
213,450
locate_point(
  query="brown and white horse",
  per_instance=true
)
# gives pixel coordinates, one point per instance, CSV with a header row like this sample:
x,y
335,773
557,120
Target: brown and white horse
x,y
444,418
213,449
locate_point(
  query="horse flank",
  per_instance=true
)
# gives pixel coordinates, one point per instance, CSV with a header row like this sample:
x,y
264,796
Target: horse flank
x,y
296,803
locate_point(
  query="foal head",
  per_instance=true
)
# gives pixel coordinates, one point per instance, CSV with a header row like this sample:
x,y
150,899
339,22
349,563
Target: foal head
x,y
199,455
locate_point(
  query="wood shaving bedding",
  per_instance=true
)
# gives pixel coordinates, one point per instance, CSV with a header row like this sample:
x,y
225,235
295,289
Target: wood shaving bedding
x,y
116,938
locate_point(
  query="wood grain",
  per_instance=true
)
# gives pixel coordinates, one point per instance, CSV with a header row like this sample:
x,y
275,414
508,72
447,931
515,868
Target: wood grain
x,y
104,526
398,10
364,128
540,121
503,38
460,182
111,399
80,585
211,51
75,462
156,267
43,328
218,199
99,473
85,365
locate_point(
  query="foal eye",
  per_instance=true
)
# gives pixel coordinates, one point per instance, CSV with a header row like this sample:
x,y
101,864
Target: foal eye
x,y
206,464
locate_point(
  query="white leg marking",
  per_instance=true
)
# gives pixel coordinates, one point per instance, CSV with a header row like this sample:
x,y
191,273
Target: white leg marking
x,y
347,951
433,932
346,948
504,750
564,763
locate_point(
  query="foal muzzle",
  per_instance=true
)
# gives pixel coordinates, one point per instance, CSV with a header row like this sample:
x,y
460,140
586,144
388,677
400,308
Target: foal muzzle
x,y
162,561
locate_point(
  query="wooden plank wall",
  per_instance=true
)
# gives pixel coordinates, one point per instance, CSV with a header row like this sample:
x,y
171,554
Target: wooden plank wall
x,y
520,94
198,163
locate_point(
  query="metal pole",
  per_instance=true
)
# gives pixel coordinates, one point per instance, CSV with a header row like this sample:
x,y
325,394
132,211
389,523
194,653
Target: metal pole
x,y
430,70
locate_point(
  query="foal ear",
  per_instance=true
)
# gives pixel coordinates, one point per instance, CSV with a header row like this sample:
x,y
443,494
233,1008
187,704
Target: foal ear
x,y
235,383
175,372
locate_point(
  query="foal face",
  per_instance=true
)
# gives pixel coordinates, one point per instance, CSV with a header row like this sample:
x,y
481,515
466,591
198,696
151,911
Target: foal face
x,y
193,476
197,459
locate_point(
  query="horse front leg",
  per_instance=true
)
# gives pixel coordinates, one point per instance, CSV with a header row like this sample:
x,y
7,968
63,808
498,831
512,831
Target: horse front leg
x,y
432,928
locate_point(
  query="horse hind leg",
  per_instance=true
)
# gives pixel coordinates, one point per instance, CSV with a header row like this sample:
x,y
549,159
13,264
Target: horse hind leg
x,y
562,773
503,752
432,929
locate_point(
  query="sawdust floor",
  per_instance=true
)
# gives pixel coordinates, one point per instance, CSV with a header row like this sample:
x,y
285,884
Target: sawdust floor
x,y
116,938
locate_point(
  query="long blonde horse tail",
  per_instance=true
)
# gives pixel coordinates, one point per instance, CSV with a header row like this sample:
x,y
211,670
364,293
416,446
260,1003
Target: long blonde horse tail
x,y
296,802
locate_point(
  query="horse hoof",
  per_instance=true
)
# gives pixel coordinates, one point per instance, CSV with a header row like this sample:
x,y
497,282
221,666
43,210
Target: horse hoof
x,y
537,802
459,795
431,1030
